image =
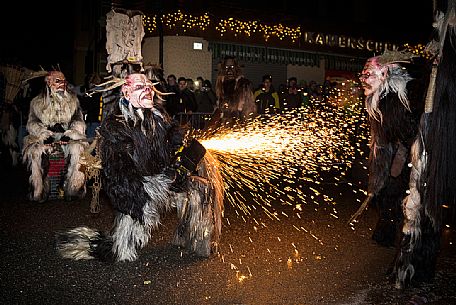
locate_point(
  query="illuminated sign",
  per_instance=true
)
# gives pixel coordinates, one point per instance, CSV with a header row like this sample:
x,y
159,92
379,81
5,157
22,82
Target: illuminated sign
x,y
341,41
197,46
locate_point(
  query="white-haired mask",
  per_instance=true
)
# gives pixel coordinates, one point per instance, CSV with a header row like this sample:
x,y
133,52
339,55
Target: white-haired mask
x,y
56,82
382,75
373,75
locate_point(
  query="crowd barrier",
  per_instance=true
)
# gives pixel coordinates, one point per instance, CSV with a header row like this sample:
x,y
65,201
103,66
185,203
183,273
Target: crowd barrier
x,y
197,120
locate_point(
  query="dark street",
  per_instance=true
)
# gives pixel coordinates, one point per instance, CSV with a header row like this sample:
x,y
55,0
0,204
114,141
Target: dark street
x,y
307,255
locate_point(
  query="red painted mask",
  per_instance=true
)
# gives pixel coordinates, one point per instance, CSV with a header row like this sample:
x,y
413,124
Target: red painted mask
x,y
138,90
56,81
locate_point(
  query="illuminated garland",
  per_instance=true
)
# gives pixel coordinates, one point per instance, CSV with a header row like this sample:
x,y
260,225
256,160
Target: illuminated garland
x,y
236,27
185,22
178,20
150,23
281,32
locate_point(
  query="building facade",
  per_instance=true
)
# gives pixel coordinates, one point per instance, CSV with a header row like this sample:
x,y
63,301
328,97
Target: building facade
x,y
193,45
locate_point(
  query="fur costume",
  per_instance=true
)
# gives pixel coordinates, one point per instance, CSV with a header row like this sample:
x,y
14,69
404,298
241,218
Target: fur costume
x,y
432,196
9,124
143,178
234,92
393,119
55,120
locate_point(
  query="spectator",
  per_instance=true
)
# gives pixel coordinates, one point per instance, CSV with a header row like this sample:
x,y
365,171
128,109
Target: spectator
x,y
326,88
293,97
205,98
190,84
155,74
90,104
172,82
186,100
199,83
207,102
266,98
314,90
172,100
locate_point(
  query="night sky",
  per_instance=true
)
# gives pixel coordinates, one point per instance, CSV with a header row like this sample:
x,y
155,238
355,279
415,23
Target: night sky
x,y
37,33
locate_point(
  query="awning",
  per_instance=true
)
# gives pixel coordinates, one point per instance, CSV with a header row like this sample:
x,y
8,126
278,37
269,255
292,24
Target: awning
x,y
264,54
344,63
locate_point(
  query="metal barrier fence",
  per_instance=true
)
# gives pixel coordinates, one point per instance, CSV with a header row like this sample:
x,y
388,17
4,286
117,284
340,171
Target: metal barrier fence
x,y
197,120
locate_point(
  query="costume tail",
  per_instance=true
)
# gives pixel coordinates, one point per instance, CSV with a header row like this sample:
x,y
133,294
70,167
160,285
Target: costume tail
x,y
83,243
121,244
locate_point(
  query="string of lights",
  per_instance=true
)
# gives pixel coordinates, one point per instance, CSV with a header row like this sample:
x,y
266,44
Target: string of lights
x,y
184,22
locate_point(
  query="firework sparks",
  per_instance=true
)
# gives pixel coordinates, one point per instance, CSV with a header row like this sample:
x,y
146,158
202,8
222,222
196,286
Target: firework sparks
x,y
279,166
280,158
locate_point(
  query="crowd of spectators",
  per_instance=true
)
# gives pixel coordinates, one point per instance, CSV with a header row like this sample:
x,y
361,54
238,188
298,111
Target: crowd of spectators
x,y
199,96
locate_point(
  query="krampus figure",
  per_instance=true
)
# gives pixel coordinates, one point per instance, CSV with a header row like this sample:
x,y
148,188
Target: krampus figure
x,y
432,196
234,92
149,168
391,85
55,121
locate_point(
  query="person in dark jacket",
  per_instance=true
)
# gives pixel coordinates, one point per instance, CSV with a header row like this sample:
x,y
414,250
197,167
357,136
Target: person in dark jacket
x,y
205,98
266,98
292,97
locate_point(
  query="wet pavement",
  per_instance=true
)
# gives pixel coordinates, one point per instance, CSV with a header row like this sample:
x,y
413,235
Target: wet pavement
x,y
306,255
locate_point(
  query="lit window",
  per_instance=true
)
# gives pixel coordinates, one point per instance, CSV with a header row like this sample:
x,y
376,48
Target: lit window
x,y
197,46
